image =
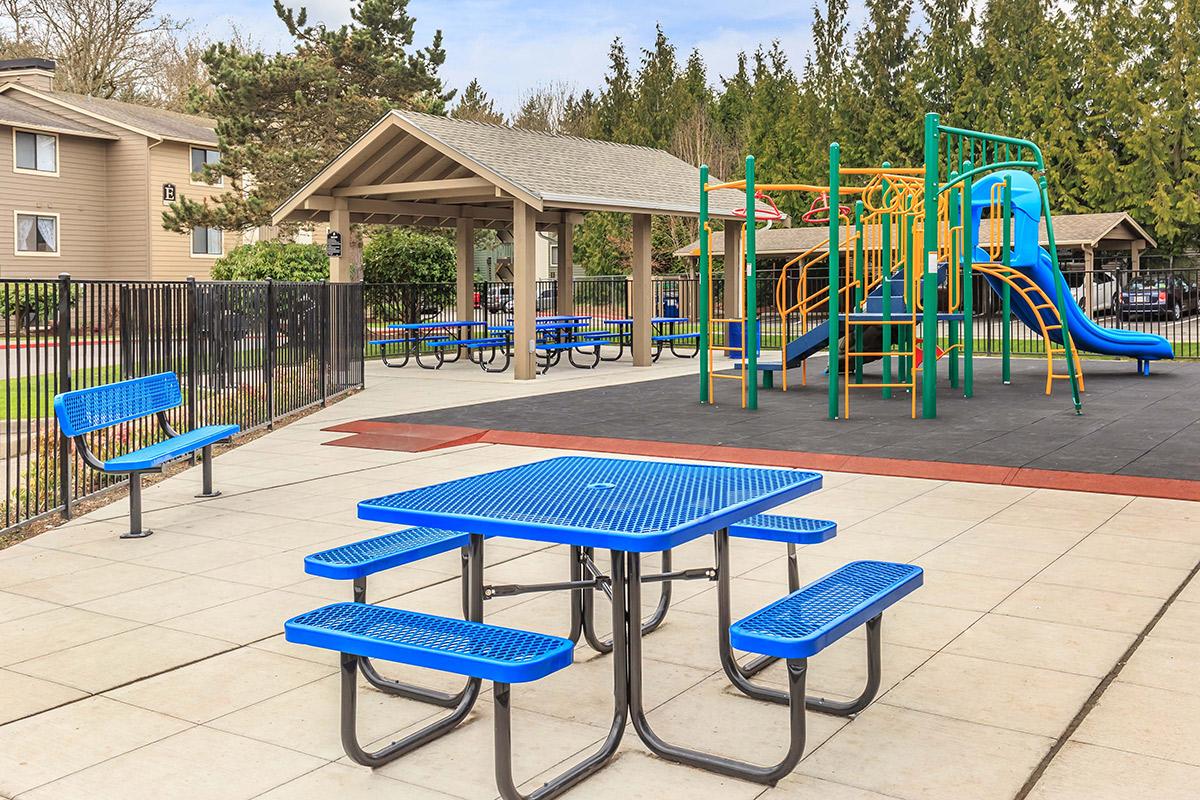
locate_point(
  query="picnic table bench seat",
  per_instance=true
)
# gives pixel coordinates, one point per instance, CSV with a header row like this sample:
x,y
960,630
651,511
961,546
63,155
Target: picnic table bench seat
x,y
781,528
488,341
674,337
85,411
360,559
474,649
810,619
482,652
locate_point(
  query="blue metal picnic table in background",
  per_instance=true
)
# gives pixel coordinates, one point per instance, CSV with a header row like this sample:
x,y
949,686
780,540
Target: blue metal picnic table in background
x,y
413,335
664,332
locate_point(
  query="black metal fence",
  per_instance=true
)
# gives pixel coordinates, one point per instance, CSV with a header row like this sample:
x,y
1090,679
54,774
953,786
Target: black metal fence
x,y
245,353
1115,300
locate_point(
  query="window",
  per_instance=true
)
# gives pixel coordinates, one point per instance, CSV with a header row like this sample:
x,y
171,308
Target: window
x,y
35,152
206,242
37,234
200,157
554,255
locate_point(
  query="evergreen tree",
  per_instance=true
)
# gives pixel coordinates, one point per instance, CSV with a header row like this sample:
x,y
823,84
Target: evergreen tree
x,y
656,107
733,105
825,72
475,105
614,108
941,62
279,115
881,113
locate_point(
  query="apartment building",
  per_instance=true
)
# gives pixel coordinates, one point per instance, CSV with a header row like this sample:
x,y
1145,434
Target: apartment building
x,y
84,182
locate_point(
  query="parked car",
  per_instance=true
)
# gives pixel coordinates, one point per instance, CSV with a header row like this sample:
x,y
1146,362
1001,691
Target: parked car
x,y
1159,295
499,297
1103,289
547,300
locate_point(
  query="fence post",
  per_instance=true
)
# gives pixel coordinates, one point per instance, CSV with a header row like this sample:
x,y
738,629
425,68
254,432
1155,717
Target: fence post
x,y
269,354
64,385
326,292
192,349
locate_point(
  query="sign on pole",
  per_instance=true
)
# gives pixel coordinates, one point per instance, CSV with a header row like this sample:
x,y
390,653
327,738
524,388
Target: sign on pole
x,y
333,244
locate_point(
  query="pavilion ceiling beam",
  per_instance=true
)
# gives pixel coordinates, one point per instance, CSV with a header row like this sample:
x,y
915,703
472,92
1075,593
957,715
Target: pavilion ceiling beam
x,y
416,189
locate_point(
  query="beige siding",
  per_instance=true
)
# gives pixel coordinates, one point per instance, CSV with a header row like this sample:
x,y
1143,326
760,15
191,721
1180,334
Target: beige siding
x,y
128,209
171,253
78,195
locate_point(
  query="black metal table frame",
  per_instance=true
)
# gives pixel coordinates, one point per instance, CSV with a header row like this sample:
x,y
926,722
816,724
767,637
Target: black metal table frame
x,y
411,346
623,584
626,335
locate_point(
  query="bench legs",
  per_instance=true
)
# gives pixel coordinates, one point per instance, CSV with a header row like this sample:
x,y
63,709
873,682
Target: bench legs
x,y
739,675
206,471
135,509
796,671
501,693
472,576
588,603
409,743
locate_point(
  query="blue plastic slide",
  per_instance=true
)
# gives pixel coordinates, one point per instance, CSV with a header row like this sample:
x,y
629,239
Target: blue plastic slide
x,y
1032,260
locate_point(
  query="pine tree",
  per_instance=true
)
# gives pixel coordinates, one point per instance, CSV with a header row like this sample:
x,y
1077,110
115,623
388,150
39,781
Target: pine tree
x,y
825,72
655,107
733,108
475,105
880,112
615,104
941,62
279,115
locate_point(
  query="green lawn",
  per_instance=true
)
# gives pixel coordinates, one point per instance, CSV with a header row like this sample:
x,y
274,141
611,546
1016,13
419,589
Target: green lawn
x,y
33,396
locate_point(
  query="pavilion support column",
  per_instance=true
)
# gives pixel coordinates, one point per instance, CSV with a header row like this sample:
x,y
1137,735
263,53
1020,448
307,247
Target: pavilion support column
x,y
523,289
340,267
642,290
464,251
733,272
1135,255
1089,284
566,268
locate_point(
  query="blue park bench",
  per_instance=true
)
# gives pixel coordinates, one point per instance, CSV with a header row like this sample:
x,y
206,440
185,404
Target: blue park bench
x,y
87,410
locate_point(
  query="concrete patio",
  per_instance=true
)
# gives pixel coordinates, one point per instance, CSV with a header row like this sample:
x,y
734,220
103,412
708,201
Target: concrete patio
x,y
156,668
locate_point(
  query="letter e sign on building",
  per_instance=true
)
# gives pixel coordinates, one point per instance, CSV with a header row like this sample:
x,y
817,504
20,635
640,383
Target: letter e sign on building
x,y
169,193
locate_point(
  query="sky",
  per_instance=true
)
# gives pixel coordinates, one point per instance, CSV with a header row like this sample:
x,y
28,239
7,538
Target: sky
x,y
514,45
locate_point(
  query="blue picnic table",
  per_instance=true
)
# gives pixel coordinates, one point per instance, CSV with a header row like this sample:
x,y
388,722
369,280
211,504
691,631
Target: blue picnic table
x,y
628,507
438,335
663,333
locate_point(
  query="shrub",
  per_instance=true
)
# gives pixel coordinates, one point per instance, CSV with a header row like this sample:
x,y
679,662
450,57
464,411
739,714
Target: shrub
x,y
403,255
276,260
424,265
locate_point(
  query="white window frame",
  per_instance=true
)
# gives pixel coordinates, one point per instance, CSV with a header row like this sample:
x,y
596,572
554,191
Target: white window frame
x,y
17,251
192,175
206,255
43,172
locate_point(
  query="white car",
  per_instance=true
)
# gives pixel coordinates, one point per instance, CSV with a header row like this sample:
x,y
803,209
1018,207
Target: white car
x,y
1103,290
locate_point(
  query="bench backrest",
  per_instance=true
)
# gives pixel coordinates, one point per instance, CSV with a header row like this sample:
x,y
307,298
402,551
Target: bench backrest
x,y
86,410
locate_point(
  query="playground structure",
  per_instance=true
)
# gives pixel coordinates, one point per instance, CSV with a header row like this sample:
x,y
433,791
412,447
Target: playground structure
x,y
913,252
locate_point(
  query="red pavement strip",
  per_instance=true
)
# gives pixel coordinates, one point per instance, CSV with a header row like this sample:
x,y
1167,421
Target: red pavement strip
x,y
413,438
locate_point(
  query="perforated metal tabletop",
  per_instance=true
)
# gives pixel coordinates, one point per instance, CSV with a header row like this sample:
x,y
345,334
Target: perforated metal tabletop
x,y
609,503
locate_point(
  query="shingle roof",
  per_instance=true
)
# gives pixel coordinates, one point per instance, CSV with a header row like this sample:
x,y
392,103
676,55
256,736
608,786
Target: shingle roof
x,y
156,121
560,169
1070,230
22,115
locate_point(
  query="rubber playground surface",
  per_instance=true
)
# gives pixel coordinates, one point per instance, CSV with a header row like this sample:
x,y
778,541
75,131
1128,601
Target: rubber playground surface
x,y
1132,427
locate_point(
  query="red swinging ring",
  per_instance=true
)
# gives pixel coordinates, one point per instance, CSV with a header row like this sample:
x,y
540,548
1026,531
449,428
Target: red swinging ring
x,y
820,205
772,214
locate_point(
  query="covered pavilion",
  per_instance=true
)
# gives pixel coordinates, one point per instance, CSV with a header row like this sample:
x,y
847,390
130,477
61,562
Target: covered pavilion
x,y
417,169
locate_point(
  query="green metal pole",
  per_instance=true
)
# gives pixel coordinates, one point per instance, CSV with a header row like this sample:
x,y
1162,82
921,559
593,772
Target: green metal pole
x,y
955,207
835,159
914,274
1060,296
1006,291
885,269
968,286
860,275
929,268
750,326
705,323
